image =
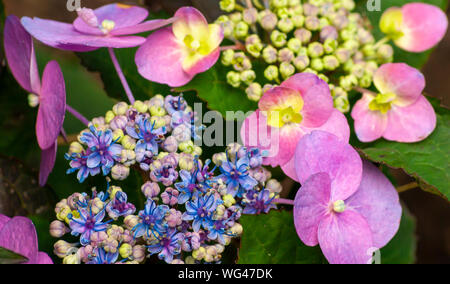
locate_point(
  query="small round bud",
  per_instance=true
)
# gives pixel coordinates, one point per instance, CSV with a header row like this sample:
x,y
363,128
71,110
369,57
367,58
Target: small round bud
x,y
33,100
271,73
278,39
365,81
139,253
75,148
298,21
241,62
237,229
294,44
330,62
301,62
219,158
330,45
128,142
304,35
140,106
248,76
120,108
227,57
286,25
120,172
274,186
285,55
227,5
157,111
254,92
170,144
312,23
228,200
340,21
315,49
119,122
236,17
186,162
250,16
293,3
348,82
286,70
125,250
228,29
131,221
199,254
342,104
118,135
328,32
62,248
150,189
270,54
343,55
109,116
268,20
310,10
241,30
234,79
72,259
385,52
279,3
58,229
113,191
317,64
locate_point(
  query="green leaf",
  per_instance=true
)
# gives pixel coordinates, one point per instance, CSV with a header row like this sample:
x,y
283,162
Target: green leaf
x,y
99,61
402,248
9,257
427,161
272,239
212,87
416,60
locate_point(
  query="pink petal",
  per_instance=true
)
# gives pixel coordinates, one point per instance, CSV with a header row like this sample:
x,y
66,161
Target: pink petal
x,y
369,125
160,59
323,152
316,95
3,220
43,258
52,106
411,124
279,98
424,25
345,238
401,79
143,27
189,21
337,125
19,51
64,36
48,158
122,15
311,207
19,236
205,63
378,202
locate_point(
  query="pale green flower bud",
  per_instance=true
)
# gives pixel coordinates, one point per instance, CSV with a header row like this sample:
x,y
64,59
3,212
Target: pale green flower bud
x,y
250,16
227,5
120,172
348,4
358,70
342,104
328,33
365,81
279,3
371,67
227,57
109,116
158,121
352,45
248,76
369,50
220,158
338,92
278,39
271,73
255,49
118,135
330,45
228,28
120,108
293,3
301,62
304,35
303,51
298,20
33,100
348,82
315,49
294,44
312,23
330,62
267,87
241,30
310,10
222,19
241,62
75,148
236,17
286,25
340,21
234,79
343,55
365,37
348,65
286,70
125,251
254,92
274,186
283,13
157,111
323,77
323,23
385,53
317,64
285,55
309,70
128,142
270,54
58,229
268,20
140,106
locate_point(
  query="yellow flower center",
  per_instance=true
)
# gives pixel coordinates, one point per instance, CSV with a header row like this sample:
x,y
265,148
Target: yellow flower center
x,y
339,206
278,118
107,26
382,102
391,23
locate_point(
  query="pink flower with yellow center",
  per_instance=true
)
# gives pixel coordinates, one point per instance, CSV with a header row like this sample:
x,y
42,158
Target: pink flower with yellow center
x,y
301,104
399,112
415,27
174,55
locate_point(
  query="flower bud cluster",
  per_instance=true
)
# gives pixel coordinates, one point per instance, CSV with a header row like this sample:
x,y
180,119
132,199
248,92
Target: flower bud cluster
x,y
323,37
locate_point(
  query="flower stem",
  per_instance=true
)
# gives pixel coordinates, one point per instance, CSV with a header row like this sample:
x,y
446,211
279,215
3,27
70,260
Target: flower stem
x,y
77,115
407,187
121,76
238,46
284,201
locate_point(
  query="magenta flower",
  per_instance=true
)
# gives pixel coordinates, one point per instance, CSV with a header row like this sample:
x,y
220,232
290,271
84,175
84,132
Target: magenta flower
x,y
19,236
415,27
399,112
109,26
301,104
174,55
19,51
345,205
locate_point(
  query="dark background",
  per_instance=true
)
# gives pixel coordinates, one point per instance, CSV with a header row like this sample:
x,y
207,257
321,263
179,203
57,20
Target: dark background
x,y
432,212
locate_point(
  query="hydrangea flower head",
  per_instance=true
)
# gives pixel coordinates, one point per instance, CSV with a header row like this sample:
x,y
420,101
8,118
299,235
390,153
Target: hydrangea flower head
x,y
200,210
167,245
111,26
151,220
147,134
87,223
18,235
399,112
174,55
345,205
235,175
286,113
415,27
51,92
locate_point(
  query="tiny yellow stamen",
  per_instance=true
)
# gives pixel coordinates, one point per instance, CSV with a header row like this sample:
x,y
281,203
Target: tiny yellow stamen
x,y
107,26
382,102
339,206
278,118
